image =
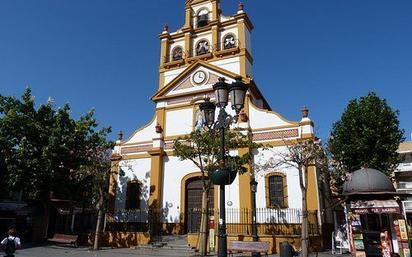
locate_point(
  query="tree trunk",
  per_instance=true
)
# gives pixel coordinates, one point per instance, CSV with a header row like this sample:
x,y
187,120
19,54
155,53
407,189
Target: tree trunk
x,y
204,223
304,229
46,208
99,224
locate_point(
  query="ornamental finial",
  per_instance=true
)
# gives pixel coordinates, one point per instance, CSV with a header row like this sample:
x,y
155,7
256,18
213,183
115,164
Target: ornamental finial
x,y
120,135
241,6
166,27
305,112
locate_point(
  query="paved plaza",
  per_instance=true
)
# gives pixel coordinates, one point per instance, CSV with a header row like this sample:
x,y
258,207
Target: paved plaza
x,y
56,251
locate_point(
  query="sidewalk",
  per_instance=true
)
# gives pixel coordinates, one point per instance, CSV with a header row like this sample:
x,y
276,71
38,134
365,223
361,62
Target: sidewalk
x,y
57,251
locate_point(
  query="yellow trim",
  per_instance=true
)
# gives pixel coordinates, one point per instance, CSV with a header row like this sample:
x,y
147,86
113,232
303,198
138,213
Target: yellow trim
x,y
246,19
179,107
215,11
307,136
312,193
245,194
242,43
161,118
136,156
215,39
160,94
161,79
174,137
274,128
188,46
188,17
137,143
211,57
184,94
164,49
113,181
194,31
156,180
285,189
306,122
196,174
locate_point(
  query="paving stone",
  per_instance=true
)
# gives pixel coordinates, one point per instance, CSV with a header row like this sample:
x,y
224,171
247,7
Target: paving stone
x,y
58,251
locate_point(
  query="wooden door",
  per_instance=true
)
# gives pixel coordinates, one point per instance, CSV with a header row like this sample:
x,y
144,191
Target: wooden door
x,y
193,203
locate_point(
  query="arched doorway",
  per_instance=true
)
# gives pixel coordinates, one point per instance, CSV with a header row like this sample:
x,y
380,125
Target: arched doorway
x,y
193,203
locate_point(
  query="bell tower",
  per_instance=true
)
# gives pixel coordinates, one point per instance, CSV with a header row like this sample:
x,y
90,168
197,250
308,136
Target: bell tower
x,y
207,35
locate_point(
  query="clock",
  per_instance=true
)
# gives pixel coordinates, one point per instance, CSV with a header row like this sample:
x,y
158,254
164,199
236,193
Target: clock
x,y
199,77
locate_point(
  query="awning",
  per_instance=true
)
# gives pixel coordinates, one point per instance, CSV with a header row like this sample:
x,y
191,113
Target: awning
x,y
375,206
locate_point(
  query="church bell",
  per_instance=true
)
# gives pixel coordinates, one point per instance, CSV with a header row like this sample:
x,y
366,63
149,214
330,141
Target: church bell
x,y
202,20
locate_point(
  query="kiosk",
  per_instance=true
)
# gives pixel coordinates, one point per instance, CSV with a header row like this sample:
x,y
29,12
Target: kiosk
x,y
375,224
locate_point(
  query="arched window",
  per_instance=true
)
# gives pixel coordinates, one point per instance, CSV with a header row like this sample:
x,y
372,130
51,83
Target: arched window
x,y
177,53
276,190
229,41
202,47
133,193
202,18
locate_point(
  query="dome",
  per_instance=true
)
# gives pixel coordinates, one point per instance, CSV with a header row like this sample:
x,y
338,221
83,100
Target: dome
x,y
366,181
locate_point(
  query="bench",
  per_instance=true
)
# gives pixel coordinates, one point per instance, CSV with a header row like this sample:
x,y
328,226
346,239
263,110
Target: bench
x,y
64,239
245,246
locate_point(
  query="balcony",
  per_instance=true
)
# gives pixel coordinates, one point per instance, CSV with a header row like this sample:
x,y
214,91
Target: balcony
x,y
404,185
403,167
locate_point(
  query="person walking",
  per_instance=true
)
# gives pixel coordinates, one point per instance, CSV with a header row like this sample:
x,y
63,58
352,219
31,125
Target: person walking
x,y
10,243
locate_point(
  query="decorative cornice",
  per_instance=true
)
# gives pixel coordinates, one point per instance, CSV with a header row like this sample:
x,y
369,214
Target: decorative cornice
x,y
281,134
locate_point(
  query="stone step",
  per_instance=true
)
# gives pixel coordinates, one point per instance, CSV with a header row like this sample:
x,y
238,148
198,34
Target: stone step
x,y
165,247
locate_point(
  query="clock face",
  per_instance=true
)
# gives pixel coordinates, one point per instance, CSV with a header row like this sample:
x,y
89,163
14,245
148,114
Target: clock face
x,y
199,77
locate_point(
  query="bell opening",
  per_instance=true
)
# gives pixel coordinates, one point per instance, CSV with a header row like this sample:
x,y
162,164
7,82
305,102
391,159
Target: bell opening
x,y
202,20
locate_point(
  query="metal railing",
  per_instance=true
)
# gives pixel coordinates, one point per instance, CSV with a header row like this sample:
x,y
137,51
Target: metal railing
x,y
192,51
269,221
238,221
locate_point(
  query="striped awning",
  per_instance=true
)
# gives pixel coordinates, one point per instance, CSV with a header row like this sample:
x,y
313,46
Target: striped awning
x,y
375,206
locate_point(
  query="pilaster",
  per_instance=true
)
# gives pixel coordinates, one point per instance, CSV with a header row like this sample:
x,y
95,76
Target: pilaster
x,y
215,38
156,178
113,179
188,17
188,45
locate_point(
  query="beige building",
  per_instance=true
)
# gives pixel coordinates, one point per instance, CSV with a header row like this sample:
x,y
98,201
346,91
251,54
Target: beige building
x,y
403,177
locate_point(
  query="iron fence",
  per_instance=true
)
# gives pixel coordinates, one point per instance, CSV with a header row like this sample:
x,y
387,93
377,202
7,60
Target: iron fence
x,y
269,221
238,221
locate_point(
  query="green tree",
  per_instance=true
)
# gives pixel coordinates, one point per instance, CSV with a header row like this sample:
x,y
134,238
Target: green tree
x,y
202,148
367,135
43,148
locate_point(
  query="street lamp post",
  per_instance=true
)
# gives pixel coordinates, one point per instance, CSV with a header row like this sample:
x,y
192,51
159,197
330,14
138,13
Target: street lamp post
x,y
236,91
253,188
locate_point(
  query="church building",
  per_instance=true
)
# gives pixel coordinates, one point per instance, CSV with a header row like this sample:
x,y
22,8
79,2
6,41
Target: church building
x,y
147,175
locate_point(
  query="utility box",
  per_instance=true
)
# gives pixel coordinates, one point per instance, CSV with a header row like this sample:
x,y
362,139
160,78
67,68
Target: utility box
x,y
286,250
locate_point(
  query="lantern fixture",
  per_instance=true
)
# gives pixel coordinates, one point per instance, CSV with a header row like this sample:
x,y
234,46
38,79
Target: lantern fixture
x,y
221,92
237,94
208,111
253,186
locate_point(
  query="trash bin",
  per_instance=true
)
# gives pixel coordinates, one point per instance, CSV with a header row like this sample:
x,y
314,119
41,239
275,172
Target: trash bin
x,y
286,250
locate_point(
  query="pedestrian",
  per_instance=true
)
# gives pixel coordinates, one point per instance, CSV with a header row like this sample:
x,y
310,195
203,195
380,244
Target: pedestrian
x,y
10,243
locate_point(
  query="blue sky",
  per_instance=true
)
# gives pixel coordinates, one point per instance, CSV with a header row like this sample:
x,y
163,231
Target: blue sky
x,y
104,54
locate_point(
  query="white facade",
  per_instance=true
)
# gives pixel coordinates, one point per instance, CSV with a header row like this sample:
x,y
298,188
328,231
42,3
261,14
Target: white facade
x,y
176,115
